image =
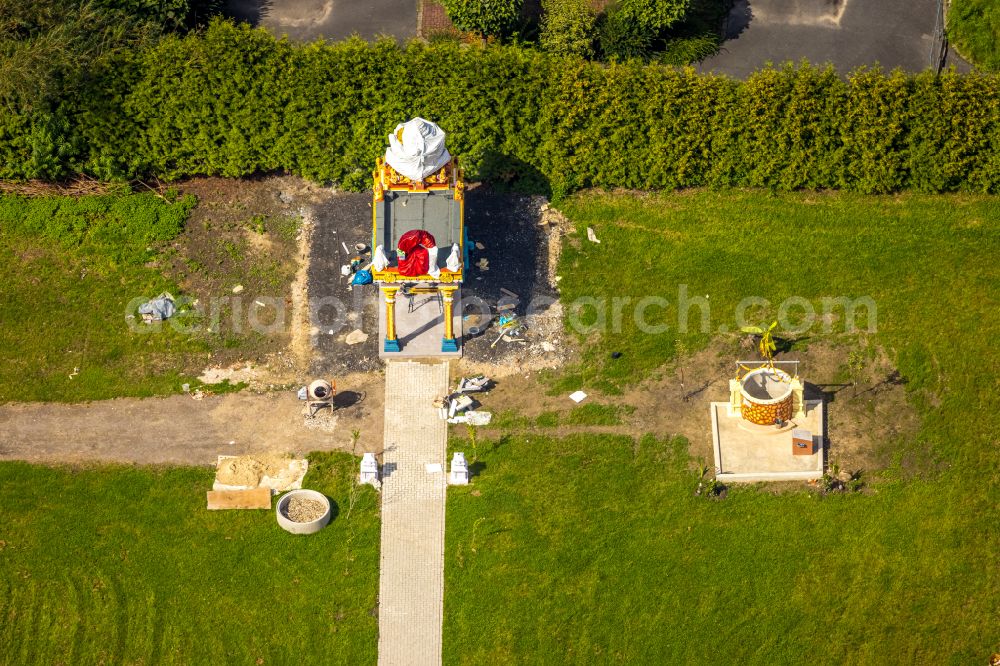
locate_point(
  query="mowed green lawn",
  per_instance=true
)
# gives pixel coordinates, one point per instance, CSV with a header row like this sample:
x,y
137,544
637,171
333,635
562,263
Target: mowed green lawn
x,y
594,549
124,565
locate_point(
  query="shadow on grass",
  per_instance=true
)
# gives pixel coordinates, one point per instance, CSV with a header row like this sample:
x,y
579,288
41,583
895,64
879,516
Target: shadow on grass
x,y
476,468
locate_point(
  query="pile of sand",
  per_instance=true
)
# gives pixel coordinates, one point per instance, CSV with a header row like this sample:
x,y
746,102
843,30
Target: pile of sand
x,y
248,470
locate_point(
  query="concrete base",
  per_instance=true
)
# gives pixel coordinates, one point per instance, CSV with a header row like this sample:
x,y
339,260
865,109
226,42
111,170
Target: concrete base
x,y
745,452
420,334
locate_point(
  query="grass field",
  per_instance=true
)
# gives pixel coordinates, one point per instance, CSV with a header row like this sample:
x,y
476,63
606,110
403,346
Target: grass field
x,y
72,266
594,549
928,263
974,28
124,565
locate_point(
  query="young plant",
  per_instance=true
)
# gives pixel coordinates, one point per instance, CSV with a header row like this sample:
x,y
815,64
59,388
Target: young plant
x,y
765,345
715,489
471,431
856,363
353,496
681,351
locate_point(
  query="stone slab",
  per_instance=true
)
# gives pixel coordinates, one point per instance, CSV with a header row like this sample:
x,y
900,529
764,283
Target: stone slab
x,y
420,332
411,581
761,453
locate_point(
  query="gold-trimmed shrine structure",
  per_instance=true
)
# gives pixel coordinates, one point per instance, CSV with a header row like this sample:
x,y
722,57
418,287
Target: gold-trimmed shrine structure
x,y
418,236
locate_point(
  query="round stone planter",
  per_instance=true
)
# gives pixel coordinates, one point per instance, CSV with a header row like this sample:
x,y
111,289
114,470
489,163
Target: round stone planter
x,y
289,525
767,396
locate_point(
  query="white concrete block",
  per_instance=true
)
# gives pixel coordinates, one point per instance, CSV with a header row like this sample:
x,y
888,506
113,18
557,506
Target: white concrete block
x,y
369,470
459,475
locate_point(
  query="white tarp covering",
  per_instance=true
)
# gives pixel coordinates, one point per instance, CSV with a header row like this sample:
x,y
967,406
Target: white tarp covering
x,y
454,261
421,150
379,260
432,262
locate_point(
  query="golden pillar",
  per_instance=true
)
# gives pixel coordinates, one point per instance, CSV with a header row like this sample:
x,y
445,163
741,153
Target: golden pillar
x,y
448,343
389,292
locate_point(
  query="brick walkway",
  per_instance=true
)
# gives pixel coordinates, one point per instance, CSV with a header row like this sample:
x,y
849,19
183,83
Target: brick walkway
x,y
432,19
411,586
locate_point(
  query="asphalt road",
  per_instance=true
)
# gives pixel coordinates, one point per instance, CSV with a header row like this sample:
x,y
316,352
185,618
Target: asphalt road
x,y
306,20
847,33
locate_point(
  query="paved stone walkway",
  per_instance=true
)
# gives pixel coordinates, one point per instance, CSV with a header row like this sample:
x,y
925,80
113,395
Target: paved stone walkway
x,y
411,586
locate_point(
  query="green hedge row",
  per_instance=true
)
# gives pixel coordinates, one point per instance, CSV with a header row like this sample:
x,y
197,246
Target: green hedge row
x,y
234,101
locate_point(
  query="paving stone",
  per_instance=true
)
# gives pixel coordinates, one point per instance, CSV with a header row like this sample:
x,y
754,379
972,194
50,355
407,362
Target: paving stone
x,y
411,585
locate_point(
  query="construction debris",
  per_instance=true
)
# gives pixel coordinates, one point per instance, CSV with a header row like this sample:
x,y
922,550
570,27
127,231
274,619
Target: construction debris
x,y
160,308
455,405
577,396
256,498
476,323
459,407
507,304
268,471
472,417
511,327
473,384
355,337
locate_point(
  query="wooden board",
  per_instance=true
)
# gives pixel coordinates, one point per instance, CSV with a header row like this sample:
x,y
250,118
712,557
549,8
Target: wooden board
x,y
258,498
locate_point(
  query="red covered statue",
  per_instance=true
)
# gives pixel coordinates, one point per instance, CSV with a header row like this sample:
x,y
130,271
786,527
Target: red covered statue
x,y
414,258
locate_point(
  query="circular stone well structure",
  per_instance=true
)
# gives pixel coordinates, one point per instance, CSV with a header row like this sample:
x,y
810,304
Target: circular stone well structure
x,y
767,396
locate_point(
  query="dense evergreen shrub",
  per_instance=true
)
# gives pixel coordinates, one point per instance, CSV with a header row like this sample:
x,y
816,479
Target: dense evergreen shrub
x,y
568,27
235,101
652,15
621,38
483,17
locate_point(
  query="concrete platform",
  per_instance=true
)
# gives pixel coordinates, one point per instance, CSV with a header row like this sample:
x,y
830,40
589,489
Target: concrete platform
x,y
420,332
745,452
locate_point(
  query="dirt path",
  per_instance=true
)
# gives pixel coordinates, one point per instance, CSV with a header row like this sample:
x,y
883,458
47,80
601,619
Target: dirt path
x,y
180,430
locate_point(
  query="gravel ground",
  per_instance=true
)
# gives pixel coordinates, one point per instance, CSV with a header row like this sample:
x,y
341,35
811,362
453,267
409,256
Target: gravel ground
x,y
337,307
302,510
516,245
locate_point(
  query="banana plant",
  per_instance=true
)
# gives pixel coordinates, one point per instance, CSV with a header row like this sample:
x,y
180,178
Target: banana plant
x,y
766,345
